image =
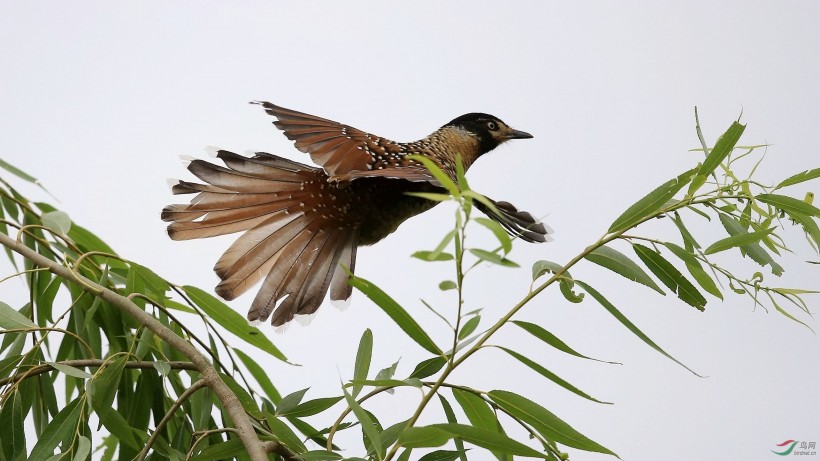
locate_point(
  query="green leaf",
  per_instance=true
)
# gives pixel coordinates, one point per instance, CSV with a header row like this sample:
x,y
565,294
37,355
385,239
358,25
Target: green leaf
x,y
704,280
320,455
232,321
10,319
18,172
539,268
437,172
620,264
551,339
799,177
550,375
441,455
362,364
451,418
368,428
447,285
790,205
491,440
476,409
432,256
388,372
428,367
57,221
670,276
289,402
311,407
758,254
260,375
248,403
396,312
285,434
546,423
500,234
627,323
70,371
430,196
423,436
738,240
723,147
60,428
12,420
494,258
223,450
469,327
83,448
651,203
105,383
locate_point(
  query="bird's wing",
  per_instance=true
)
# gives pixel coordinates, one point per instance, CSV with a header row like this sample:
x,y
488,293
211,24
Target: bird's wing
x,y
517,223
337,148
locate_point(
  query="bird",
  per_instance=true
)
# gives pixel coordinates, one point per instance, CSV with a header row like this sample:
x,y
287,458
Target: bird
x,y
301,225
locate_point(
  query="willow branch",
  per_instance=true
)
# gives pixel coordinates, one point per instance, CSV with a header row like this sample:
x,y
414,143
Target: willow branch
x,y
229,400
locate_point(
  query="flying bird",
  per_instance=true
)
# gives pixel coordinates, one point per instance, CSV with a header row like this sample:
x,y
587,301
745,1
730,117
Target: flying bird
x,y
301,224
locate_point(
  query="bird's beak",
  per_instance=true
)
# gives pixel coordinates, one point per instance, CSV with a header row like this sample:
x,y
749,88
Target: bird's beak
x,y
517,134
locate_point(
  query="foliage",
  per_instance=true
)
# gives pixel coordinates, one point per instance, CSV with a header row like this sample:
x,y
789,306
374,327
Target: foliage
x,y
101,343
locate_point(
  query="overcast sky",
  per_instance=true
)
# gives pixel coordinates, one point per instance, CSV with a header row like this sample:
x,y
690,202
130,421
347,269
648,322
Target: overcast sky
x,y
98,100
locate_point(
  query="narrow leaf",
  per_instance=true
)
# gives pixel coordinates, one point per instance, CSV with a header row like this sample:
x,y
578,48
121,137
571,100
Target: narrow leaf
x,y
476,409
232,321
60,428
620,264
693,265
260,375
754,250
362,364
311,407
494,258
723,147
10,319
500,234
491,440
799,177
670,276
451,418
738,240
546,423
651,203
551,339
428,367
469,327
627,323
550,375
368,428
396,312
790,205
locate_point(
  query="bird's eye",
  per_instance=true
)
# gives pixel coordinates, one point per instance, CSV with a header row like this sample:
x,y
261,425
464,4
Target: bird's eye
x,y
492,126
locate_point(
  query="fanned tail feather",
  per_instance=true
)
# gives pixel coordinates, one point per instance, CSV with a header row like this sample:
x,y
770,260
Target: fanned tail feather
x,y
517,223
296,252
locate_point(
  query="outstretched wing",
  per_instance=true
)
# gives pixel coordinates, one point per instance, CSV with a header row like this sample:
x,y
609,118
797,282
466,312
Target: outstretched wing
x,y
338,148
518,223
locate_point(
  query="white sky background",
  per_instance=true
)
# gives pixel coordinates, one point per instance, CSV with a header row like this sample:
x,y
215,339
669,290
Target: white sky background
x,y
98,100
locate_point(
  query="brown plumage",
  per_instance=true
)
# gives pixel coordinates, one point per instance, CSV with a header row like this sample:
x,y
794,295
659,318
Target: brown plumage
x,y
302,224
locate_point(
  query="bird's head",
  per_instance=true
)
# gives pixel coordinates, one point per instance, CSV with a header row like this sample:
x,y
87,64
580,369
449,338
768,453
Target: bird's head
x,y
488,129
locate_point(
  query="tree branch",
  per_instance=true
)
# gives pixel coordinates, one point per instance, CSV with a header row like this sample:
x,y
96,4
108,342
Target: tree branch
x,y
229,400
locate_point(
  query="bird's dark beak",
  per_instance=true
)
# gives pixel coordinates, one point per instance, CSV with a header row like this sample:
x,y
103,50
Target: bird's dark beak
x,y
517,134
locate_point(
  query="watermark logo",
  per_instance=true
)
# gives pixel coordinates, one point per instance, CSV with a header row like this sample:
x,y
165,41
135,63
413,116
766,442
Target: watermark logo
x,y
787,448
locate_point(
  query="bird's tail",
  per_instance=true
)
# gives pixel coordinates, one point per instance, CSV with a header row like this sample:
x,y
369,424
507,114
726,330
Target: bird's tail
x,y
519,224
293,248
